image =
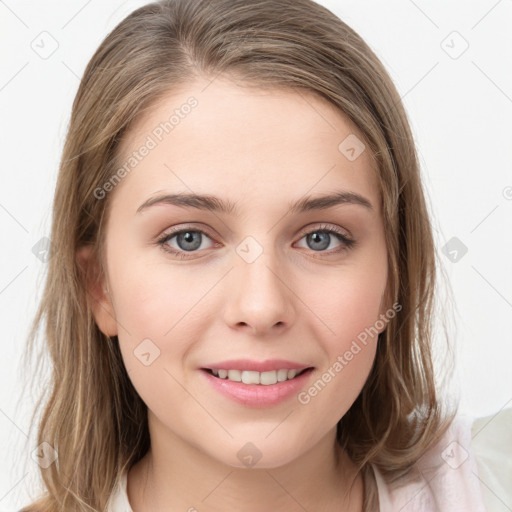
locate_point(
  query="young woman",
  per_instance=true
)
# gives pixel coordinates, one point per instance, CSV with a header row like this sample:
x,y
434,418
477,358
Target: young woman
x,y
240,297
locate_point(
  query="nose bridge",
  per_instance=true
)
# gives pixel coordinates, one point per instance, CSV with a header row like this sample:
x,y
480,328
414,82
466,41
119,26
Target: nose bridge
x,y
260,297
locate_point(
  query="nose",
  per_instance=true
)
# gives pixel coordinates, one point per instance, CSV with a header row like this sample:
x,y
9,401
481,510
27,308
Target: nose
x,y
259,299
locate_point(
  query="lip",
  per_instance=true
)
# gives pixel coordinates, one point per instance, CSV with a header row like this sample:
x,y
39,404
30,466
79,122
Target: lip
x,y
257,366
258,395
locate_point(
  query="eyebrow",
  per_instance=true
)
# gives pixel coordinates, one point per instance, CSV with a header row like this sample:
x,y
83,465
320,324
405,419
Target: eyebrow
x,y
216,204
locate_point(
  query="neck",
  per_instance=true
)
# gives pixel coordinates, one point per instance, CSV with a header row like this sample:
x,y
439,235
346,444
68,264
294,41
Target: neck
x,y
175,475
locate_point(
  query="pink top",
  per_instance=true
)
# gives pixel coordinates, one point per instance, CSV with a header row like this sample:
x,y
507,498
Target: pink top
x,y
445,479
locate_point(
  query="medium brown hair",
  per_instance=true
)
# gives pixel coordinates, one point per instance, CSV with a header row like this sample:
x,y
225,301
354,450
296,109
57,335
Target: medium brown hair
x,y
92,414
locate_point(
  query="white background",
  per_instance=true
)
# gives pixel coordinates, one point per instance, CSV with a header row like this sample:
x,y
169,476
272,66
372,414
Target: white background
x,y
460,111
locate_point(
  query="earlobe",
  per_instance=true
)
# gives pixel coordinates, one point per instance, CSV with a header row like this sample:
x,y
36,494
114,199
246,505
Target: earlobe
x,y
98,294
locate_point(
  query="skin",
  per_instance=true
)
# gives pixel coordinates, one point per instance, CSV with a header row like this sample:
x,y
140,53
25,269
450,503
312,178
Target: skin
x,y
261,149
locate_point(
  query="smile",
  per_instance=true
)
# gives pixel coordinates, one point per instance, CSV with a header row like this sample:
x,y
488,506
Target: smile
x,y
258,389
253,377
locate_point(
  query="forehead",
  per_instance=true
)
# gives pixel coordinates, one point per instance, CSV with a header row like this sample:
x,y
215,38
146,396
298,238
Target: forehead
x,y
219,137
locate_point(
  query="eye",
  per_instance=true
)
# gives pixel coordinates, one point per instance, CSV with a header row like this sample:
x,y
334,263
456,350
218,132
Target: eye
x,y
187,239
320,239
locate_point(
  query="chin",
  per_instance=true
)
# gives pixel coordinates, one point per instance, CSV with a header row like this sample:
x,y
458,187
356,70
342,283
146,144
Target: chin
x,y
259,454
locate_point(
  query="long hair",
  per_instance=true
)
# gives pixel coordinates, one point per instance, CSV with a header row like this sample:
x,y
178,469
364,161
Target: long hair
x,y
92,415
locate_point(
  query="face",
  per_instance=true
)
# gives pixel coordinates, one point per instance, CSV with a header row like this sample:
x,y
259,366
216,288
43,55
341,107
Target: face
x,y
193,289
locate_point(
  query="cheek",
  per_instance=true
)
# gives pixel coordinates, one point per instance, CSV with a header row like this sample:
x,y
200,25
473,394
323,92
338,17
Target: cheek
x,y
349,341
154,299
157,320
163,310
348,303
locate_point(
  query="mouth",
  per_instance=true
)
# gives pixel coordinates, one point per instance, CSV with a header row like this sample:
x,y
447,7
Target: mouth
x,y
257,378
255,389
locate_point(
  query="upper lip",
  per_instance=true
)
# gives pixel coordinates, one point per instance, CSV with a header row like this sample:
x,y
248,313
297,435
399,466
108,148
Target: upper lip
x,y
256,366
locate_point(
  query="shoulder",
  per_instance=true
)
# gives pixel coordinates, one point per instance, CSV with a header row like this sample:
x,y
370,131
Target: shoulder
x,y
446,478
492,446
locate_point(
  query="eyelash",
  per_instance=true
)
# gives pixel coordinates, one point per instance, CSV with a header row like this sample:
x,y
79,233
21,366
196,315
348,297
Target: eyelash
x,y
347,242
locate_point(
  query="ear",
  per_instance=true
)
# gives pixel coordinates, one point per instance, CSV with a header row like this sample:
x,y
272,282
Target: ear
x,y
98,296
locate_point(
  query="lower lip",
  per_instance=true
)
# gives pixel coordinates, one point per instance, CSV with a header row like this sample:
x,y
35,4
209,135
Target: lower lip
x,y
258,395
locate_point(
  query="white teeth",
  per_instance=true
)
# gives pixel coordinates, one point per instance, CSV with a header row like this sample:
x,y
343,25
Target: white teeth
x,y
282,375
235,375
267,378
251,377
